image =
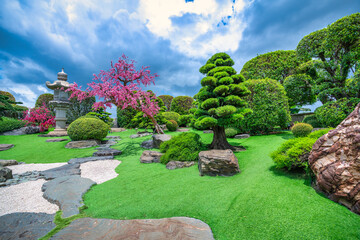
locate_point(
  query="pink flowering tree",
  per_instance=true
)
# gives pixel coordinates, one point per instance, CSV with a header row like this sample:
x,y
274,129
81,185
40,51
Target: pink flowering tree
x,y
121,86
40,116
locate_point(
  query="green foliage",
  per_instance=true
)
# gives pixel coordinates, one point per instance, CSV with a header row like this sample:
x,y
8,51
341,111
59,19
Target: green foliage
x,y
229,70
183,147
312,120
206,68
185,120
172,125
78,109
8,124
319,133
301,129
210,103
208,81
230,132
8,107
225,111
86,128
45,99
102,115
171,116
331,114
167,99
9,95
269,106
124,117
299,89
182,104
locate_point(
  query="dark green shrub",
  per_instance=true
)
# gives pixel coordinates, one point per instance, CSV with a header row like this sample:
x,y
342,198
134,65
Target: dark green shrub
x,y
167,99
312,120
182,104
85,128
301,129
9,95
124,117
269,106
319,133
78,109
185,120
230,132
171,116
8,124
102,115
45,99
184,147
332,114
172,125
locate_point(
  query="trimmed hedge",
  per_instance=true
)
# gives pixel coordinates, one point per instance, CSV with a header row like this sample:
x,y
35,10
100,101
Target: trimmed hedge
x,y
172,125
301,129
86,128
182,104
8,124
171,116
312,120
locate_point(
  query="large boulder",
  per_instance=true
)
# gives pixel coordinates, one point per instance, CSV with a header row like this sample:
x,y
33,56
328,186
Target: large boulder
x,y
150,157
5,173
32,129
160,138
335,162
83,144
218,163
147,144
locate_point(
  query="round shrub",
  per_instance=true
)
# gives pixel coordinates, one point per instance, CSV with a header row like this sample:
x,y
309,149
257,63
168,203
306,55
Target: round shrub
x,y
184,147
172,125
185,120
171,116
312,120
85,128
181,104
45,99
231,132
301,129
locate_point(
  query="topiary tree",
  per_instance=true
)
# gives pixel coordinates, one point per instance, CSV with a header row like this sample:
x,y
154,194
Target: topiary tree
x,y
79,108
86,128
45,99
299,89
269,106
301,129
9,95
167,99
219,101
171,116
182,104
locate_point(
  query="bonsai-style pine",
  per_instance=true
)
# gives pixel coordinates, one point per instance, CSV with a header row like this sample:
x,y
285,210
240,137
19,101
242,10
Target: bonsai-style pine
x,y
219,101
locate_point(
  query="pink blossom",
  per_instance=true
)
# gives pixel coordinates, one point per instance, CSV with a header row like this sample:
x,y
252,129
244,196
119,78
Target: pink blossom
x,y
39,117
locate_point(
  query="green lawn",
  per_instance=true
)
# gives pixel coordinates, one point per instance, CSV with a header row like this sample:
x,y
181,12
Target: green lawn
x,y
259,203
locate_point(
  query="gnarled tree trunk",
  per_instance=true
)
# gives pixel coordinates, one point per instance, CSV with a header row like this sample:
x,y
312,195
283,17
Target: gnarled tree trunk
x,y
219,140
156,125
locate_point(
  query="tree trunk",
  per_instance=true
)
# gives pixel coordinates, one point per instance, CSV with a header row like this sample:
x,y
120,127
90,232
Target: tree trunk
x,y
219,140
156,125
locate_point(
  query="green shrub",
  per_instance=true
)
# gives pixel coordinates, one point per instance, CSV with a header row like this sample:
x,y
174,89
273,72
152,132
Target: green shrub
x,y
8,124
332,114
185,120
312,120
167,99
184,147
301,129
231,132
171,116
124,117
45,99
102,115
85,128
172,125
319,133
181,104
78,109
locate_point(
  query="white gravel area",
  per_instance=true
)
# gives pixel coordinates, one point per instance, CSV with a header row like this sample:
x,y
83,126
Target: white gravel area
x,y
99,171
21,168
25,197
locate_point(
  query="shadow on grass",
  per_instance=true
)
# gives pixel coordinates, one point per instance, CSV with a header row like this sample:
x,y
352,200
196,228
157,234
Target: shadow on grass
x,y
293,174
129,149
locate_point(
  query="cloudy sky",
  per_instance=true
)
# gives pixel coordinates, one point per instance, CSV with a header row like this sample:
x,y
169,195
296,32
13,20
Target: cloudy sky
x,y
173,37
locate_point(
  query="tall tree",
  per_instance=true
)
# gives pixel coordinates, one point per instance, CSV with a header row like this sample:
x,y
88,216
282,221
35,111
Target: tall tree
x,y
219,101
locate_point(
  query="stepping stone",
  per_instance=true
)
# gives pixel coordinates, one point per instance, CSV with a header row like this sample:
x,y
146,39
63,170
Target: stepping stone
x,y
83,144
150,157
107,152
89,159
113,137
67,193
66,170
179,164
208,131
176,228
5,163
147,144
4,147
26,225
5,173
143,134
241,136
183,130
118,129
56,140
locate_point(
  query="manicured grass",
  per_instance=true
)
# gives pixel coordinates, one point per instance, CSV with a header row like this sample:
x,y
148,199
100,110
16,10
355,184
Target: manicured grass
x,y
259,203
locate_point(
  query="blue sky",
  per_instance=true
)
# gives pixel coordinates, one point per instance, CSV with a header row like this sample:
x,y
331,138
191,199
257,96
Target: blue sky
x,y
173,37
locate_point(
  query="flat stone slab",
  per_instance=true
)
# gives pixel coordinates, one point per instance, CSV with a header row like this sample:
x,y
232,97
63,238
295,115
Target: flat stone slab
x,y
66,170
179,164
140,135
114,137
57,140
89,159
4,147
107,152
208,131
5,163
183,130
150,157
176,228
83,144
118,129
27,226
160,138
241,136
67,193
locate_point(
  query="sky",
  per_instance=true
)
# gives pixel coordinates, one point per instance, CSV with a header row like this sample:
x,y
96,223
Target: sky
x,y
173,37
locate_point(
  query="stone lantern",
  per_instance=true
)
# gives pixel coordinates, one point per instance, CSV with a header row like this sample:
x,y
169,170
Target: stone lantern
x,y
61,103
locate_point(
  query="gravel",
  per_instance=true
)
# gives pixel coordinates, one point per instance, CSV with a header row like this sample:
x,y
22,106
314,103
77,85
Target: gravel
x,y
99,171
22,168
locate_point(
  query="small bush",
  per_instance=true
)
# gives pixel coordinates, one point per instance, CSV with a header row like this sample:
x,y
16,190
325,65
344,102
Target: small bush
x,y
312,120
171,116
231,132
185,120
124,117
85,128
172,125
301,129
8,124
184,147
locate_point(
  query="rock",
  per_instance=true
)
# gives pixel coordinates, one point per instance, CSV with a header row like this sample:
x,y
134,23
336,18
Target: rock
x,y
56,140
118,129
208,131
141,134
83,144
241,136
107,152
218,162
20,131
4,147
67,192
107,143
55,133
183,130
5,173
334,159
113,137
89,159
23,225
150,157
179,164
175,228
66,170
160,138
32,129
147,144
5,163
